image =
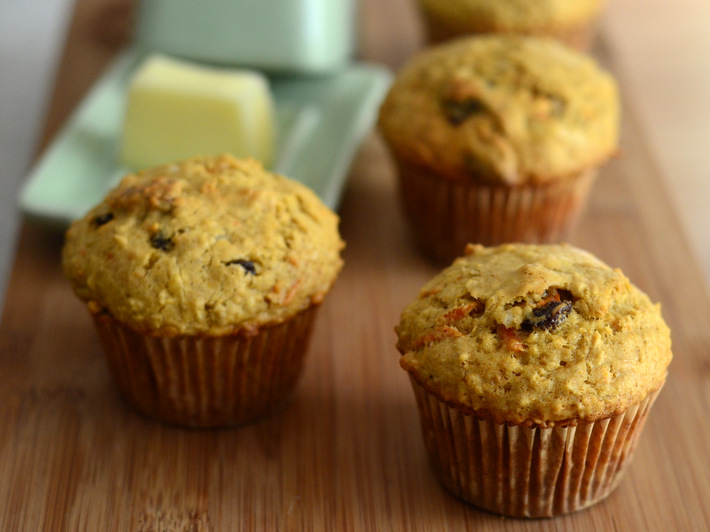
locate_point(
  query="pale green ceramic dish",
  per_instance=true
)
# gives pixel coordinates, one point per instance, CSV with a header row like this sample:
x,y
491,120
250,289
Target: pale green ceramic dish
x,y
315,36
321,122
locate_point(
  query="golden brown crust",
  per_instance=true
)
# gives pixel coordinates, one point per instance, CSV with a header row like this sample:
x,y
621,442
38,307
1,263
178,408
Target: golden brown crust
x,y
519,16
532,334
208,246
502,109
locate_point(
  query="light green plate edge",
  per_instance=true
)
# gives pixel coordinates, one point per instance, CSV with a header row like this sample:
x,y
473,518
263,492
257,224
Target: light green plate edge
x,y
321,123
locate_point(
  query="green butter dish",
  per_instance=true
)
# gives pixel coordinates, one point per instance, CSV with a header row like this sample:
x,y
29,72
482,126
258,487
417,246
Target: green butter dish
x,y
312,36
321,121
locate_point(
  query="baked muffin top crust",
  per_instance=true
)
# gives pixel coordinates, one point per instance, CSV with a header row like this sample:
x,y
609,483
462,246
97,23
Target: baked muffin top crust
x,y
534,334
513,15
502,109
210,245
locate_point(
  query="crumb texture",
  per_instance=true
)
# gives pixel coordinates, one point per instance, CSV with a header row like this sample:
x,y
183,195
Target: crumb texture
x,y
512,15
502,109
543,334
209,245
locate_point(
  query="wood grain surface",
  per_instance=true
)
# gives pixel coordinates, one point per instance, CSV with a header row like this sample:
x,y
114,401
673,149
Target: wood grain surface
x,y
347,453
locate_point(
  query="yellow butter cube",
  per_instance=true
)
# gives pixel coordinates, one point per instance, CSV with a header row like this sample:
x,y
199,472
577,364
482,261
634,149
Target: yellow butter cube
x,y
176,110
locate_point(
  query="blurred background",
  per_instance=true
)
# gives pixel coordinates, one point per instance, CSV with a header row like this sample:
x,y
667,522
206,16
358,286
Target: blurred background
x,y
662,46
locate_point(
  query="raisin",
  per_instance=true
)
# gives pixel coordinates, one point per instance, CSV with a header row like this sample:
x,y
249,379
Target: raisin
x,y
246,264
161,242
548,316
101,219
458,111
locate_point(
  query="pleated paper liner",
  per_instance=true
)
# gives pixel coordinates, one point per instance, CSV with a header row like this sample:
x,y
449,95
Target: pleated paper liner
x,y
204,381
522,471
445,215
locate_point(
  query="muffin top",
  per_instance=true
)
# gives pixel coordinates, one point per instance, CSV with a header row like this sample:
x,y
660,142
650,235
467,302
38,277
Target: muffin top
x,y
211,245
513,15
502,109
534,334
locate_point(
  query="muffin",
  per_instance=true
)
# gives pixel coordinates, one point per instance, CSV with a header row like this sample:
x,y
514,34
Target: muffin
x,y
203,278
573,23
497,139
534,368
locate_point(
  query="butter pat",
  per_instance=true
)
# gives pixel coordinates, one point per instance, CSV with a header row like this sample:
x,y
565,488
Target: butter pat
x,y
177,110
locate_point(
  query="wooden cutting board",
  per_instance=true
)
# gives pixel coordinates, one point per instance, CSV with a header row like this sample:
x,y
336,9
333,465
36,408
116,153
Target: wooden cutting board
x,y
347,454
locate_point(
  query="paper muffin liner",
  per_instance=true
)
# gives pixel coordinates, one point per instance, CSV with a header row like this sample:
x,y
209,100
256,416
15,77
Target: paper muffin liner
x,y
522,471
580,36
445,215
207,381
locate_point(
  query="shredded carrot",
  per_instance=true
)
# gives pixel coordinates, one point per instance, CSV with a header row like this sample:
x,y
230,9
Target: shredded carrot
x,y
551,295
510,339
436,335
291,292
461,312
